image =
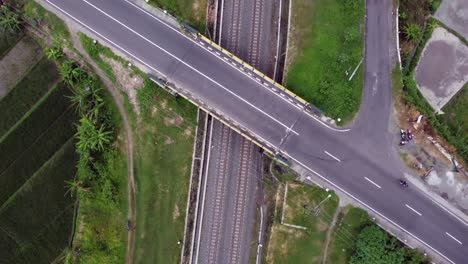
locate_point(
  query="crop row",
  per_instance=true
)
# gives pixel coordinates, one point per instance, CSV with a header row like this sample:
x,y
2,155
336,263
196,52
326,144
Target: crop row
x,y
33,156
36,219
32,125
26,93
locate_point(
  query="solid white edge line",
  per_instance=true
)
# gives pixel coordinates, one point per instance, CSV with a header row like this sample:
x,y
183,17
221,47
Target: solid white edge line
x,y
335,158
412,209
378,186
459,242
186,64
369,207
240,70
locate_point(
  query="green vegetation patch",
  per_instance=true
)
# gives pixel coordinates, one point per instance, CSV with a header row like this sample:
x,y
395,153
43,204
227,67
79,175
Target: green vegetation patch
x,y
350,222
163,159
103,210
456,119
37,219
291,245
358,240
330,43
193,11
35,13
163,138
374,245
26,93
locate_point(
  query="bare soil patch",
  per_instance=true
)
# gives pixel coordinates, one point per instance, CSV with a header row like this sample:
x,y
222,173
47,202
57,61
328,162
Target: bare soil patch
x,y
129,82
443,68
17,62
174,121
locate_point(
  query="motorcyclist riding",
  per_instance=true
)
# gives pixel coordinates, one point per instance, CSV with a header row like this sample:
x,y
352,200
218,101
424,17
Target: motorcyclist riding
x,y
403,183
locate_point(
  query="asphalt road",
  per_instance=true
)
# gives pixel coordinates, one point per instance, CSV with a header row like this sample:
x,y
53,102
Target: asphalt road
x,y
342,158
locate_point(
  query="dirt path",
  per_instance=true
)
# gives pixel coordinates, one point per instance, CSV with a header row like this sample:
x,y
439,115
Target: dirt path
x,y
329,234
131,194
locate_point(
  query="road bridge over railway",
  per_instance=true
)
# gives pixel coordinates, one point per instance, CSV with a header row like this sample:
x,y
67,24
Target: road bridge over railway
x,y
274,117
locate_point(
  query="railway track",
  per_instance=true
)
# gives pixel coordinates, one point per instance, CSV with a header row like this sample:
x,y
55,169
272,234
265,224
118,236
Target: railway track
x,y
235,27
232,200
241,199
219,197
253,51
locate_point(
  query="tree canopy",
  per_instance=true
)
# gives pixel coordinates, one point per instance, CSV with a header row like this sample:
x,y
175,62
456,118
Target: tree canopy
x,y
375,246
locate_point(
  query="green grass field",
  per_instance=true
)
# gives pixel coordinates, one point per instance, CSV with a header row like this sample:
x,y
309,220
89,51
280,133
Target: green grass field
x,y
192,11
290,245
27,92
349,224
36,220
327,41
163,160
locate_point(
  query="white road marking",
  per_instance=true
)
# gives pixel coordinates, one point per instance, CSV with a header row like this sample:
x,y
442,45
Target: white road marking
x,y
335,158
189,66
378,186
240,70
459,242
368,206
412,209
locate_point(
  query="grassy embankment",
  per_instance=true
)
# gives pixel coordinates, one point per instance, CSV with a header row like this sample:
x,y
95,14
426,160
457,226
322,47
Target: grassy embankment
x,y
327,41
351,236
163,136
37,153
192,11
351,220
291,245
416,29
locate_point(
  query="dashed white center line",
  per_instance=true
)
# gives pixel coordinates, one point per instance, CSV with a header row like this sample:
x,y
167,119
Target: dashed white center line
x,y
375,184
412,209
459,242
335,158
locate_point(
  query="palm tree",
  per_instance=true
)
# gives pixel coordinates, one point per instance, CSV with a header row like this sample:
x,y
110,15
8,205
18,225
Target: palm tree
x,y
54,53
9,20
66,70
78,74
80,99
413,32
90,137
75,187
